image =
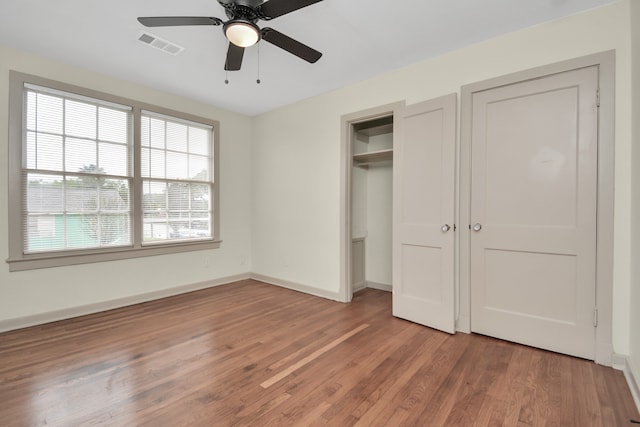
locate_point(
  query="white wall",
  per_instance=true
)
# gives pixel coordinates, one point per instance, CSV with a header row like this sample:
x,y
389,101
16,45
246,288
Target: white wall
x,y
634,300
297,220
41,293
296,195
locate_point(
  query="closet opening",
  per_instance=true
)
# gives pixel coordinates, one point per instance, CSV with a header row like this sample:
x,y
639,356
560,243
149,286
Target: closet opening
x,y
368,202
371,204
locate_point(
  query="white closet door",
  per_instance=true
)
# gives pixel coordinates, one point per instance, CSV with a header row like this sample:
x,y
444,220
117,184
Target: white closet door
x,y
533,212
423,213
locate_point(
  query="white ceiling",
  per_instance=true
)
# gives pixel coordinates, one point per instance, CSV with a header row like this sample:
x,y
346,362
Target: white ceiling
x,y
358,39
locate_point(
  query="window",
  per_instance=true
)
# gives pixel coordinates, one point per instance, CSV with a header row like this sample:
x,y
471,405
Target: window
x,y
175,179
76,173
94,177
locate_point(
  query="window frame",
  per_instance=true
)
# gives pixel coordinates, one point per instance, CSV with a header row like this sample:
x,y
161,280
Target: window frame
x,y
19,261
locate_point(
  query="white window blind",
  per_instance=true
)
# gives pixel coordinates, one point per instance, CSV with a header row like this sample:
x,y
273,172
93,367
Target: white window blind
x,y
76,172
177,179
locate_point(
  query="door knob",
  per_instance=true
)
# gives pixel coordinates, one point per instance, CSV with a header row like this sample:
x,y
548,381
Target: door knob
x,y
445,228
477,226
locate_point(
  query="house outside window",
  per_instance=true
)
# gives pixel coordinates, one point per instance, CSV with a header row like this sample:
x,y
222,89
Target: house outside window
x,y
94,177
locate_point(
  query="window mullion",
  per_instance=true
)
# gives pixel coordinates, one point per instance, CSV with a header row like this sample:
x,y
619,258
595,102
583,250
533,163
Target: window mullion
x,y
65,210
35,131
136,187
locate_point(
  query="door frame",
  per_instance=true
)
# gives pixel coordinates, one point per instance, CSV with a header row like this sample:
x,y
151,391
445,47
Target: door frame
x,y
605,190
346,188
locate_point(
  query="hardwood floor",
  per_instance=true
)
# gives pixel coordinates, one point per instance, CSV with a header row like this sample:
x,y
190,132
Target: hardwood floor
x,y
254,354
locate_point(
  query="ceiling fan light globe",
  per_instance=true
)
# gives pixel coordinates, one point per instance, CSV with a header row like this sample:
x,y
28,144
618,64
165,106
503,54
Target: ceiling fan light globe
x,y
242,33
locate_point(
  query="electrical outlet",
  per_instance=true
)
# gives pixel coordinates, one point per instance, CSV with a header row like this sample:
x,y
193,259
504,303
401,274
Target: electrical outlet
x,y
206,261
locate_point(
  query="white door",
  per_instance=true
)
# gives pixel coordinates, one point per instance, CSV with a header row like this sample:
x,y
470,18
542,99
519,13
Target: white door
x,y
423,213
533,212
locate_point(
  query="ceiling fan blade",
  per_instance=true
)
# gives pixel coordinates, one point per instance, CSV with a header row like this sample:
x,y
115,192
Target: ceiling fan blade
x,y
290,45
234,58
170,21
274,8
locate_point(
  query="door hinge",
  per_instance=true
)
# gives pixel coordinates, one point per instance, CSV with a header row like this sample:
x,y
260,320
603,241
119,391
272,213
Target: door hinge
x,y
595,317
598,97
454,227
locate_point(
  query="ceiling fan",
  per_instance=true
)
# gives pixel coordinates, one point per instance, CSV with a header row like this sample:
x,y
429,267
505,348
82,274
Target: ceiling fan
x,y
241,29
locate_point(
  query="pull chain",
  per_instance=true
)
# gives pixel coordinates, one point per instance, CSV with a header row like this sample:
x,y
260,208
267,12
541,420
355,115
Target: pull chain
x,y
226,77
258,80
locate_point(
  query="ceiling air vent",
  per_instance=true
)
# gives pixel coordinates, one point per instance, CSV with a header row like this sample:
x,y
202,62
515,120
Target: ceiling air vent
x,y
161,44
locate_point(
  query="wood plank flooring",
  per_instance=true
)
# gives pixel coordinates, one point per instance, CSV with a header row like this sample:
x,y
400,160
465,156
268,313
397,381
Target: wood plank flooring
x,y
251,354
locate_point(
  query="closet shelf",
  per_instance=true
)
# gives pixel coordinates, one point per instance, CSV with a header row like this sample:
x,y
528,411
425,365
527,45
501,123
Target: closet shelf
x,y
363,159
375,127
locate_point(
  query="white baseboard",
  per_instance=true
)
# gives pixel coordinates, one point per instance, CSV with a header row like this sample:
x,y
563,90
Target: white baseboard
x,y
335,296
604,354
631,374
357,287
618,361
68,313
379,286
54,316
633,379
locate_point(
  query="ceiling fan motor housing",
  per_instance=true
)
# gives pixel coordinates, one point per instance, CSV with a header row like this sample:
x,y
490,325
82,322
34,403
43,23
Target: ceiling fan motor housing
x,y
242,9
